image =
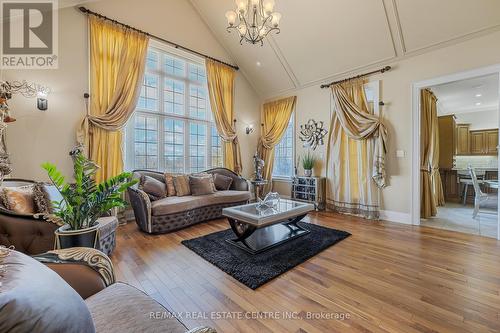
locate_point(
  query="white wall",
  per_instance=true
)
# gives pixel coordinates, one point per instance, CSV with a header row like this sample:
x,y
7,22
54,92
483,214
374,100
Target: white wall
x,y
314,102
38,136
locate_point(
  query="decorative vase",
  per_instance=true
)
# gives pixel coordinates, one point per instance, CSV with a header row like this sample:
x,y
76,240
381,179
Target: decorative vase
x,y
308,172
66,238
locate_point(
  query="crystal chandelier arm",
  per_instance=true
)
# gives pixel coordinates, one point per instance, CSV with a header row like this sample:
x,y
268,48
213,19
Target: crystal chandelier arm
x,y
256,22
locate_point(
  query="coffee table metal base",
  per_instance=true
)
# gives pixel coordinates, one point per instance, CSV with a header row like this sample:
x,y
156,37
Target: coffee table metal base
x,y
257,240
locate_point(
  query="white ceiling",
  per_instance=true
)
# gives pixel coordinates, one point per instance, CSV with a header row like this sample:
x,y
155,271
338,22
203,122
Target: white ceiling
x,y
466,96
323,40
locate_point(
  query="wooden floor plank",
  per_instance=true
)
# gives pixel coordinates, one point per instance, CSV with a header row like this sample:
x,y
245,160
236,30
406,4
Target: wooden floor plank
x,y
387,277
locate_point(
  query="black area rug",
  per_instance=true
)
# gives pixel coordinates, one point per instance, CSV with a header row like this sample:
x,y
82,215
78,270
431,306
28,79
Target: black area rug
x,y
255,270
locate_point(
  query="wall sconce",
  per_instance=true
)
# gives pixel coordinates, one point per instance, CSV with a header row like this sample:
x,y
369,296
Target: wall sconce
x,y
41,101
249,129
30,90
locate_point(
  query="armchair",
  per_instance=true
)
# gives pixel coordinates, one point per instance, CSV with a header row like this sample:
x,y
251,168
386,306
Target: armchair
x,y
32,234
82,297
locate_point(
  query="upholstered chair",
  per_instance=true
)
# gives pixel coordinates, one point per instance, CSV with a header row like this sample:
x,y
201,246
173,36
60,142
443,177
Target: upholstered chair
x,y
74,290
33,234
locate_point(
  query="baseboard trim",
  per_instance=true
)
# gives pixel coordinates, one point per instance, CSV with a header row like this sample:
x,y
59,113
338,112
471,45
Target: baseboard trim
x,y
397,217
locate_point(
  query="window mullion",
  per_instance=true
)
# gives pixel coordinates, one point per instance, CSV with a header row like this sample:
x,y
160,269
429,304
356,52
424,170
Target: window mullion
x,y
187,165
161,117
209,147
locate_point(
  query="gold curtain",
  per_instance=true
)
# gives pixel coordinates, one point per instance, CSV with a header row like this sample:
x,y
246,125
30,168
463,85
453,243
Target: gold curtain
x,y
356,153
117,61
220,80
431,187
437,184
275,118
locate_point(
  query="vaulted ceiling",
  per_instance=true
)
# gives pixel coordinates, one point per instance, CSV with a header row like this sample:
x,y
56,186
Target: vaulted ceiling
x,y
323,40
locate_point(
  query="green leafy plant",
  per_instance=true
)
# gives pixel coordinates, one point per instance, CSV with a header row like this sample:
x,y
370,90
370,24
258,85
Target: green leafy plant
x,y
84,201
308,161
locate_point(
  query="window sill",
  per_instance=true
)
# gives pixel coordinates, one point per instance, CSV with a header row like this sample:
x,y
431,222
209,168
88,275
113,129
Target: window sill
x,y
282,179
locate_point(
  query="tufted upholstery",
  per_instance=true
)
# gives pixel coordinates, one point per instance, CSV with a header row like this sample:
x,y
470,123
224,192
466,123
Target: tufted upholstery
x,y
26,234
174,213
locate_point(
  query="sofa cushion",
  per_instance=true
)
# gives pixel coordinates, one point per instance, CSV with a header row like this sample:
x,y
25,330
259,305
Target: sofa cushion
x,y
201,185
123,308
19,199
169,180
33,298
173,205
154,188
42,200
181,183
222,183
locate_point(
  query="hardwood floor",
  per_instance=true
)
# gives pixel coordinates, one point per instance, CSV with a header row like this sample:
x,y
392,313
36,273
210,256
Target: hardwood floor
x,y
387,277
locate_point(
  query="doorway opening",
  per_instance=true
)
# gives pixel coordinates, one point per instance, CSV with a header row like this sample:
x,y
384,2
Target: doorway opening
x,y
455,152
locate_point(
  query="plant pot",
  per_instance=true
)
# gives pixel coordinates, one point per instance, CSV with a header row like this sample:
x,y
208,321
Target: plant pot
x,y
308,172
66,238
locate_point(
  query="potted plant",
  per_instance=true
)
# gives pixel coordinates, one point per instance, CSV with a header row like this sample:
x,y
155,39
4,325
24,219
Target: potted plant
x,y
84,201
308,163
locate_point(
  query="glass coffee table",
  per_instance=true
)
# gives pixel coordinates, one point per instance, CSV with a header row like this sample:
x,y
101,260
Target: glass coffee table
x,y
258,230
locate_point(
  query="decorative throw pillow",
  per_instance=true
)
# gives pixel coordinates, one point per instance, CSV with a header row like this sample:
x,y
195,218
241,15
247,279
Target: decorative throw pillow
x,y
201,185
181,184
42,200
222,183
206,175
169,180
19,199
154,188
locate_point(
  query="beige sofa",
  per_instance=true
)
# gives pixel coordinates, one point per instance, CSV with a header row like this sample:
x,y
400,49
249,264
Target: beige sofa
x,y
173,213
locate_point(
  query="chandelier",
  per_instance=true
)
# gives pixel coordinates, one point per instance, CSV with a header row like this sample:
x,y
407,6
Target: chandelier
x,y
254,20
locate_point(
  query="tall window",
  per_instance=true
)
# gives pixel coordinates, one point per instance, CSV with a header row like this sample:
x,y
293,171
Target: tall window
x,y
284,153
172,129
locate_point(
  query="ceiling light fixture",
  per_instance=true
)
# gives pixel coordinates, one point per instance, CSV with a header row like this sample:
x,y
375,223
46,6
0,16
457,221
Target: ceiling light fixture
x,y
254,20
478,103
478,95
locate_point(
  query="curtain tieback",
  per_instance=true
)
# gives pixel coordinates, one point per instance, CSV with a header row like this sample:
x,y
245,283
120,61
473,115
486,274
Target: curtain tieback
x,y
425,169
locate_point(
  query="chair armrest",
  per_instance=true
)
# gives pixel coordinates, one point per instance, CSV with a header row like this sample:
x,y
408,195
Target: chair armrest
x,y
87,270
141,205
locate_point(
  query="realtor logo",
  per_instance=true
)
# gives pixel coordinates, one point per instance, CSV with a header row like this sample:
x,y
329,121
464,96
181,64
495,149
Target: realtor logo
x,y
29,34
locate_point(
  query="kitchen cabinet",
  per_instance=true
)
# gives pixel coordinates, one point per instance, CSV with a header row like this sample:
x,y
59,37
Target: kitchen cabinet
x,y
492,142
463,140
451,187
484,142
447,131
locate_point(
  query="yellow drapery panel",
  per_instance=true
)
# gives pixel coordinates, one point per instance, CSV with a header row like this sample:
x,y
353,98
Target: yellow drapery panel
x,y
117,61
431,188
437,184
275,118
356,153
220,80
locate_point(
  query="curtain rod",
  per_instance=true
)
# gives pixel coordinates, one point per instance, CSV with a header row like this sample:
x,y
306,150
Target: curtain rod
x,y
382,70
177,46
